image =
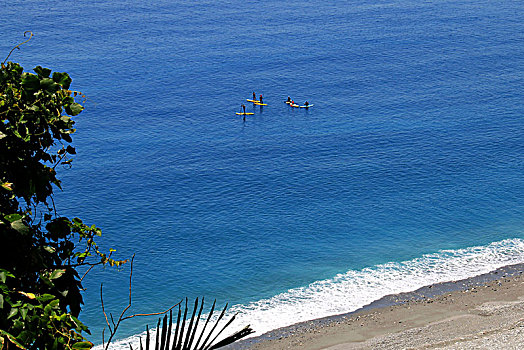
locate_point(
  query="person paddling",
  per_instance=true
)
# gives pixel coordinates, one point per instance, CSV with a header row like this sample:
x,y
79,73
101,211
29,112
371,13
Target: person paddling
x,y
260,100
306,104
254,96
244,108
288,100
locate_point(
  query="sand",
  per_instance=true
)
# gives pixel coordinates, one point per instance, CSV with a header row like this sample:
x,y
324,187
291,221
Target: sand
x,y
484,312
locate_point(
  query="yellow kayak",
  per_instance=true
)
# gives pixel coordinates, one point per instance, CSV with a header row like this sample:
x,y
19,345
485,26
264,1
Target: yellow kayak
x,y
247,113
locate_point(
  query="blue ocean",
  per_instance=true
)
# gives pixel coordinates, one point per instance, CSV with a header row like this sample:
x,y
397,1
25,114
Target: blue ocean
x,y
406,171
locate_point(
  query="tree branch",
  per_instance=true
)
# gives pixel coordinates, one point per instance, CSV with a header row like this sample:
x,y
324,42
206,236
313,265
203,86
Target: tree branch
x,y
18,46
112,331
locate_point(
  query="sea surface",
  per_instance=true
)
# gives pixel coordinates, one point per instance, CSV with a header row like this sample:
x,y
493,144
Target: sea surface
x,y
407,171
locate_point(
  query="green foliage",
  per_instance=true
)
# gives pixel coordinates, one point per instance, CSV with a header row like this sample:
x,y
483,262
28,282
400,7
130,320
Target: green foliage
x,y
40,251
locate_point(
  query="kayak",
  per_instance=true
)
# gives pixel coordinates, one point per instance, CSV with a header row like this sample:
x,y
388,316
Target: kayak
x,y
248,100
247,113
306,106
296,106
260,104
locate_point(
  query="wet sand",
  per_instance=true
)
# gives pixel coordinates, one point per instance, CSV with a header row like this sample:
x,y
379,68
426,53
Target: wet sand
x,y
483,312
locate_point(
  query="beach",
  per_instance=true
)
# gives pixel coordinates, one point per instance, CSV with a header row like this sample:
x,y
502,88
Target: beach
x,y
483,312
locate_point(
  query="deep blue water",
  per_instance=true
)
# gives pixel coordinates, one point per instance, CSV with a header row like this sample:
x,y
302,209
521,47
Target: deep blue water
x,y
412,152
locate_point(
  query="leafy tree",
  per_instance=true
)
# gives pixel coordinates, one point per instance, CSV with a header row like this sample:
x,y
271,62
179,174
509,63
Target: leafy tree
x,y
41,252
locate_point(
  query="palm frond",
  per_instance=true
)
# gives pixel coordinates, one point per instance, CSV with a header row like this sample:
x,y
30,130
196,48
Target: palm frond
x,y
183,339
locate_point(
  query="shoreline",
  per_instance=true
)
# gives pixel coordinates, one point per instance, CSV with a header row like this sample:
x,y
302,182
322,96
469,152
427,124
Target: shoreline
x,y
395,317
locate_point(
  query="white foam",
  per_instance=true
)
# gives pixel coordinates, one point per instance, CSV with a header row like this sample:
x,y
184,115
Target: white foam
x,y
356,288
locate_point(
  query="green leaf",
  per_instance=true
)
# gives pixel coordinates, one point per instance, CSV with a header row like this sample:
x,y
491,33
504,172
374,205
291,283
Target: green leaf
x,y
83,345
45,297
23,312
13,312
4,274
42,72
63,79
50,249
56,274
47,310
49,85
74,109
19,226
1,304
13,217
30,82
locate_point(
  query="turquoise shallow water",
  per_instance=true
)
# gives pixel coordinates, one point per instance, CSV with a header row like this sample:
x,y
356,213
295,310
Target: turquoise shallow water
x,y
407,171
